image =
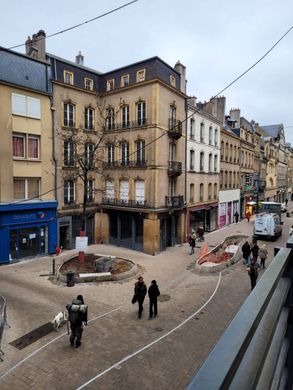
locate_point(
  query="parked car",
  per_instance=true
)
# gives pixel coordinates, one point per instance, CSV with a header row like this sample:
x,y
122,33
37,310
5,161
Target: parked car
x,y
267,225
283,207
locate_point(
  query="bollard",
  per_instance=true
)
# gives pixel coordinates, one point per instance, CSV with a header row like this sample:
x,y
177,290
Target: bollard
x,y
53,267
70,279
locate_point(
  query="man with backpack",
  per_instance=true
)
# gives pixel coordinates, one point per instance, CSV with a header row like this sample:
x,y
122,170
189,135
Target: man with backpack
x,y
77,316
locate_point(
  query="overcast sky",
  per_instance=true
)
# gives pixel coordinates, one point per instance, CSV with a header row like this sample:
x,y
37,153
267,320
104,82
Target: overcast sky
x,y
215,40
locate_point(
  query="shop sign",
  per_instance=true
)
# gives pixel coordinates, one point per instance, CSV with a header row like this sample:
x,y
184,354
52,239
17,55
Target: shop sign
x,y
81,243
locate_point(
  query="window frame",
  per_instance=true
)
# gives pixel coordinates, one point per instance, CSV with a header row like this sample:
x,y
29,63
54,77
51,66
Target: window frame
x,y
124,80
172,81
140,75
88,84
110,85
23,137
141,113
90,191
68,77
36,137
124,153
89,120
26,110
69,161
140,152
66,110
125,124
69,196
111,154
26,180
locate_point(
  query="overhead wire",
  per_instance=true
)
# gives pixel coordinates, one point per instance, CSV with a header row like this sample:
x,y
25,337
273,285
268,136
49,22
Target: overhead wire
x,y
193,112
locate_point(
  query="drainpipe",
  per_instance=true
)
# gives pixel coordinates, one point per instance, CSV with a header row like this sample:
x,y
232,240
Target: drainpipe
x,y
53,131
185,178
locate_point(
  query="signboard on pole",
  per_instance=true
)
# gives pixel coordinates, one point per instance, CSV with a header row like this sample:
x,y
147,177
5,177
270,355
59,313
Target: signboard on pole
x,y
81,243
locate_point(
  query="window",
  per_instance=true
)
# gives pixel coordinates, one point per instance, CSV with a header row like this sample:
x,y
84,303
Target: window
x,y
202,132
88,84
201,189
171,187
110,120
68,77
172,113
69,192
191,161
216,163
33,147
125,80
89,115
191,193
124,153
139,192
140,153
125,116
172,81
111,154
110,84
172,151
89,155
110,191
216,137
140,75
210,162
26,106
141,113
69,154
210,135
18,144
26,146
210,191
192,128
90,191
201,161
215,191
124,191
26,188
68,115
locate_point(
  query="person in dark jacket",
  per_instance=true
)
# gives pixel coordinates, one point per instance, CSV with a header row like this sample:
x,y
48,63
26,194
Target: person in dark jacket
x,y
254,252
192,238
153,292
236,216
253,274
246,252
77,316
140,290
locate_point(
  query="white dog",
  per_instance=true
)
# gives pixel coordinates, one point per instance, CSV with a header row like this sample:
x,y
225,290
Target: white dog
x,y
59,319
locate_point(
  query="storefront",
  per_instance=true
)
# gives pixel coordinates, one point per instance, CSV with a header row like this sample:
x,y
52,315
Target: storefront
x,y
228,205
203,215
27,230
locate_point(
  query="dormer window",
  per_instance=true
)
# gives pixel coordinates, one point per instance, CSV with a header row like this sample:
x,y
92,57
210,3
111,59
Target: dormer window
x,y
88,84
140,75
125,80
172,81
110,84
68,77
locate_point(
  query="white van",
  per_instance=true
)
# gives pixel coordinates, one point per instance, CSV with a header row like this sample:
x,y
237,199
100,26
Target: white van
x,y
267,225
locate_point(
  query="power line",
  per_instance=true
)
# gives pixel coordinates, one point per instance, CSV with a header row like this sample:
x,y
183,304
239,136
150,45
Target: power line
x,y
194,112
79,24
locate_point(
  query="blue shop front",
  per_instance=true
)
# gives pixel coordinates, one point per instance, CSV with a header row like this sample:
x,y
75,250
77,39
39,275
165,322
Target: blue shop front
x,y
27,229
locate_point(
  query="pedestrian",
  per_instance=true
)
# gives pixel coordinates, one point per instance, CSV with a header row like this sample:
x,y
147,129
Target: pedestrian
x,y
263,254
200,233
246,251
192,242
153,293
248,215
291,231
140,290
254,252
236,216
253,274
77,317
286,201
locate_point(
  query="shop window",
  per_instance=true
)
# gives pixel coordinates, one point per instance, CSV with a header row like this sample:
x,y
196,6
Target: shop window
x,y
26,188
69,192
89,115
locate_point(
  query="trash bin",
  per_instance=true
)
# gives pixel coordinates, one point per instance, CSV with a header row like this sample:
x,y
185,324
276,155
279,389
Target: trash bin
x,y
70,279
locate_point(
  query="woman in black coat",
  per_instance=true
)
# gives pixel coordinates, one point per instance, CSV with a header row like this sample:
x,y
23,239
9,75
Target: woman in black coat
x,y
140,290
153,292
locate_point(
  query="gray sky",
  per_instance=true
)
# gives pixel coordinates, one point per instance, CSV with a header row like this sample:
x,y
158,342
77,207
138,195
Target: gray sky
x,y
216,40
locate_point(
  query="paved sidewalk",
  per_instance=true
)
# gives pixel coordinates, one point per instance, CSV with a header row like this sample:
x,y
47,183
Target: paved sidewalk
x,y
33,300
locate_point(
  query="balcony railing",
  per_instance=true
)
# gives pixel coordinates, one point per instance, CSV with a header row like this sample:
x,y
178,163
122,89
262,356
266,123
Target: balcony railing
x,y
126,125
175,128
174,168
125,202
174,201
125,164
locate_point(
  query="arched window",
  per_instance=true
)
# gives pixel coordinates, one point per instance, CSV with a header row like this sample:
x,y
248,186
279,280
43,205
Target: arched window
x,y
202,132
201,189
210,135
215,191
210,162
210,191
191,193
201,161
216,137
216,163
191,160
192,128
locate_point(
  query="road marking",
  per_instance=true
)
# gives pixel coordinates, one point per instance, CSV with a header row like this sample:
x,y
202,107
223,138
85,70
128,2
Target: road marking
x,y
153,342
52,341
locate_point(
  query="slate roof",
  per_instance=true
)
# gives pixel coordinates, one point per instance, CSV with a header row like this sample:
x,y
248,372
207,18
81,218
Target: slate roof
x,y
273,130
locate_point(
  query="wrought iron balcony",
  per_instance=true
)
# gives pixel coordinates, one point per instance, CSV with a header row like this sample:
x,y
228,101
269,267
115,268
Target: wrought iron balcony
x,y
175,128
174,201
141,164
126,125
174,168
125,202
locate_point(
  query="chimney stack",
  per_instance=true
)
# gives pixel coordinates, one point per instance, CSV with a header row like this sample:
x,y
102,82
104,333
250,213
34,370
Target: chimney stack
x,y
182,70
235,116
36,47
79,58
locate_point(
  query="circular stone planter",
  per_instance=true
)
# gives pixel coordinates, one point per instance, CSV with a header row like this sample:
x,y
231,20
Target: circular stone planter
x,y
111,268
222,256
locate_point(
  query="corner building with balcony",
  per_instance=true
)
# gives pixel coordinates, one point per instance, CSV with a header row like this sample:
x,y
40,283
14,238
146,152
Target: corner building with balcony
x,y
144,152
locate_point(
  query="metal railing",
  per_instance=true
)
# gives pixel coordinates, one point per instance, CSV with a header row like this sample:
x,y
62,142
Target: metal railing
x,y
175,128
126,125
125,202
256,351
174,201
125,164
174,167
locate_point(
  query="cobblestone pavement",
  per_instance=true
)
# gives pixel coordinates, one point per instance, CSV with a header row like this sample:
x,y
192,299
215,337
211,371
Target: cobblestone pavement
x,y
169,363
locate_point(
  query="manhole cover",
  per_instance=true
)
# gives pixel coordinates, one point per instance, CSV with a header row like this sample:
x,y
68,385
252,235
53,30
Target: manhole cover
x,y
164,298
159,329
33,336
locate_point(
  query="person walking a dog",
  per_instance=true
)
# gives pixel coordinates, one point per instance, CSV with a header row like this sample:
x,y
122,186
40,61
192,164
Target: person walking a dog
x,y
153,293
140,290
77,316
